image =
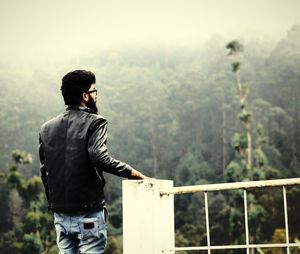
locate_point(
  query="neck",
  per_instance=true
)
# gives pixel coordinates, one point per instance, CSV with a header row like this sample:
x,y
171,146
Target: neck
x,y
83,104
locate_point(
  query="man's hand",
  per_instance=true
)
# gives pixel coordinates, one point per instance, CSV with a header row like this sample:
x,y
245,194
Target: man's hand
x,y
137,175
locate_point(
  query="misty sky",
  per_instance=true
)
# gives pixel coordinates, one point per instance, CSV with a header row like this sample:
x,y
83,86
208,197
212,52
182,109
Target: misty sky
x,y
40,29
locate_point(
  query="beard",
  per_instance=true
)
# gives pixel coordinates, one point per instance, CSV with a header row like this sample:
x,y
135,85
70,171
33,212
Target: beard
x,y
92,104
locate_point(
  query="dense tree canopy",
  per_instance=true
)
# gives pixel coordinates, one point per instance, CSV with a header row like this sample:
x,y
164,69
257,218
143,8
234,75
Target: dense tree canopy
x,y
173,113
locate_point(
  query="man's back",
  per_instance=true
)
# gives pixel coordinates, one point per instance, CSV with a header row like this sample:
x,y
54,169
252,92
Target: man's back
x,y
73,182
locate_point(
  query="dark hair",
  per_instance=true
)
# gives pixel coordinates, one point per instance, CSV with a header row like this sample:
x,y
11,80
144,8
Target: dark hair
x,y
74,84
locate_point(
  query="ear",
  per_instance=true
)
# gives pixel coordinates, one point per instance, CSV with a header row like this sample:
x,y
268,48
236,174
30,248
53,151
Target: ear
x,y
85,97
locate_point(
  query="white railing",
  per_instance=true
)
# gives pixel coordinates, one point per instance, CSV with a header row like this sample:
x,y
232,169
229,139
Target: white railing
x,y
148,215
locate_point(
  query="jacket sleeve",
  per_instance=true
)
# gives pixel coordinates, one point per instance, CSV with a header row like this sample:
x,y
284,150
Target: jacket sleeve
x,y
43,170
98,152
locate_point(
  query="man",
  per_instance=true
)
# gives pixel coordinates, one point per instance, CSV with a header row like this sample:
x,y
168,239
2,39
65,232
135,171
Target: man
x,y
73,156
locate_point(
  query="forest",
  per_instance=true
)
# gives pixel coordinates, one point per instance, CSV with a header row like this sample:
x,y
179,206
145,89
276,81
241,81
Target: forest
x,y
191,115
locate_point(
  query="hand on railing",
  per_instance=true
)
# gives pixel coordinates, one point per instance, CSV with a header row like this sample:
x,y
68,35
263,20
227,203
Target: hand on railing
x,y
135,174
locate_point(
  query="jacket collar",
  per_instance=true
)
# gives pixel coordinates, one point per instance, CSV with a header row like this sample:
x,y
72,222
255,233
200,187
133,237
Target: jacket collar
x,y
80,107
76,107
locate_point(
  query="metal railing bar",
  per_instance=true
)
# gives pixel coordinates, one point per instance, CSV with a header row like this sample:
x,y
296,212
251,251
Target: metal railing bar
x,y
207,221
234,186
246,219
286,218
250,246
231,186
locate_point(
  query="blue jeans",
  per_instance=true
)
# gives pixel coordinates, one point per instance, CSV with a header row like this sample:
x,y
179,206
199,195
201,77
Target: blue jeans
x,y
84,233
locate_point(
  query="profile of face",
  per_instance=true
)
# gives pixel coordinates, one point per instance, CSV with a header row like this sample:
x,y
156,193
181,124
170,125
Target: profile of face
x,y
91,99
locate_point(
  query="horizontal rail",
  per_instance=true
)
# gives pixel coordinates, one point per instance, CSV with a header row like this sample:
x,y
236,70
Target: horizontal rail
x,y
231,186
228,247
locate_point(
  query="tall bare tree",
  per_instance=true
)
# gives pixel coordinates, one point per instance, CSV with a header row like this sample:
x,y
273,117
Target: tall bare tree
x,y
244,148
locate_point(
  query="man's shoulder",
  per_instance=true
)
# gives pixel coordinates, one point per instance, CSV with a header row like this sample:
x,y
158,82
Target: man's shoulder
x,y
97,120
51,121
97,117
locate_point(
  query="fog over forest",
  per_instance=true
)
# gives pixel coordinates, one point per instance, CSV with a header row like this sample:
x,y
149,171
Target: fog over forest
x,y
167,86
42,32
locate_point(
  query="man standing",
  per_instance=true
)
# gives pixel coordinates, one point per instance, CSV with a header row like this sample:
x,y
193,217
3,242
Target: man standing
x,y
73,156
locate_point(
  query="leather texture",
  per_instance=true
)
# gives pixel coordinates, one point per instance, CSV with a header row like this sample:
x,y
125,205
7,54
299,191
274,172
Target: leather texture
x,y
73,155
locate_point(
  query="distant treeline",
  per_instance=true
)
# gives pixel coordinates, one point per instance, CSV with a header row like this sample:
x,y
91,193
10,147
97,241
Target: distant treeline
x,y
176,114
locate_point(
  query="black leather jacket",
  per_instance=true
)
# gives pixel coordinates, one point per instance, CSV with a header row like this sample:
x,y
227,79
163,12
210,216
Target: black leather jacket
x,y
73,155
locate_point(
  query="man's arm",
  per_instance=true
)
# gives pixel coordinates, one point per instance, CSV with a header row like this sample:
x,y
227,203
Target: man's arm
x,y
99,156
135,174
43,170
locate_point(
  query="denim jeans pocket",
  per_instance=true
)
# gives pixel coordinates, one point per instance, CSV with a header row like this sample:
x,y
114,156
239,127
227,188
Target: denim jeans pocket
x,y
89,228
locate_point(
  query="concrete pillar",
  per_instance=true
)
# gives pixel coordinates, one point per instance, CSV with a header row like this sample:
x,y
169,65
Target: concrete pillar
x,y
148,218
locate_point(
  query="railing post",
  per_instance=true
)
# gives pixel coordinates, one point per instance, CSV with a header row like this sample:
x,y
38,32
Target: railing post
x,y
148,217
286,220
207,222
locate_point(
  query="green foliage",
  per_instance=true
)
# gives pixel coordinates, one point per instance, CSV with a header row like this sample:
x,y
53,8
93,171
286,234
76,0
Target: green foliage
x,y
27,226
171,115
239,141
260,158
272,173
234,47
114,246
235,66
10,244
32,221
181,241
192,168
31,244
115,215
15,179
192,235
4,197
253,142
279,236
257,215
53,250
244,116
34,188
235,172
21,157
